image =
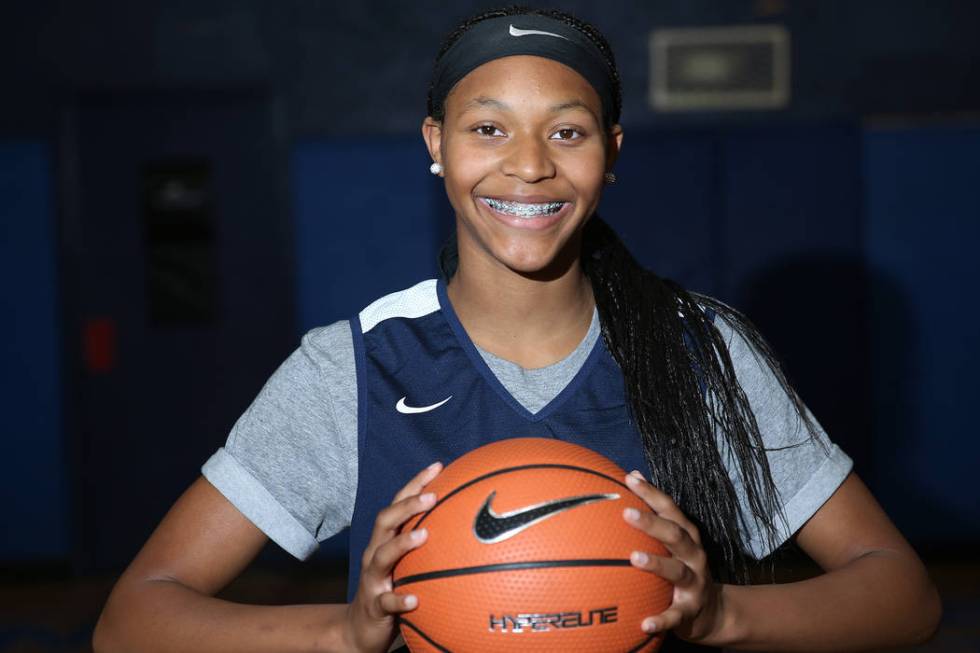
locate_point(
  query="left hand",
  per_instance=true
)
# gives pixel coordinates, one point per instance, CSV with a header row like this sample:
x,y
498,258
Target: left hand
x,y
695,613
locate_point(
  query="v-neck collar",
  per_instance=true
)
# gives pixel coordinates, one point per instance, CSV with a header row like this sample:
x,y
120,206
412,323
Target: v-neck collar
x,y
484,370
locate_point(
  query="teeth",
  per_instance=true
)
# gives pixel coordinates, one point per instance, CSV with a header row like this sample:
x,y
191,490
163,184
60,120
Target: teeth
x,y
522,210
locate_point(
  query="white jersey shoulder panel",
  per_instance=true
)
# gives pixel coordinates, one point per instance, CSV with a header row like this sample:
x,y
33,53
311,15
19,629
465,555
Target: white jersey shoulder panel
x,y
417,301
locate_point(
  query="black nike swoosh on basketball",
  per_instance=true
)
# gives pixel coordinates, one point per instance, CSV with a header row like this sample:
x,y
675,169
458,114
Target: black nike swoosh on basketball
x,y
490,527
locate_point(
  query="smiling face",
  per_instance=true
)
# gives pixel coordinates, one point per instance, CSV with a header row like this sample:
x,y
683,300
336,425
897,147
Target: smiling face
x,y
523,150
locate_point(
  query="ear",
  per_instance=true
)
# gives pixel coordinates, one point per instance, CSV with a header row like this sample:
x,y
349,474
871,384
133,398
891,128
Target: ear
x,y
432,135
613,145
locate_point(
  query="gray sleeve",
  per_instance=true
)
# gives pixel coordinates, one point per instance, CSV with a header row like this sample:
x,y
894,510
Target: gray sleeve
x,y
806,471
290,462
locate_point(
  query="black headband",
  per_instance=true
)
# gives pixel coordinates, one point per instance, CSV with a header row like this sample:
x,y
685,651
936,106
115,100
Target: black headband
x,y
528,34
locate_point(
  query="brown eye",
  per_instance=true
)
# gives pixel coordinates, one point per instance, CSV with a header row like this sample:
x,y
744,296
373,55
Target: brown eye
x,y
567,134
488,130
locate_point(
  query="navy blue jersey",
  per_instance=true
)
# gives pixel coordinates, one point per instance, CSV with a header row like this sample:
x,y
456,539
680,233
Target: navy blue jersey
x,y
426,394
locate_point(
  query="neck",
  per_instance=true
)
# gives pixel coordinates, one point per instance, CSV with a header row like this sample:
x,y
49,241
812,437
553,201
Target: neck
x,y
526,319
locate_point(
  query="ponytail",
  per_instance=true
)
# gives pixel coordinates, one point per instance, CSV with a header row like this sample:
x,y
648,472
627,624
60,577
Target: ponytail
x,y
685,398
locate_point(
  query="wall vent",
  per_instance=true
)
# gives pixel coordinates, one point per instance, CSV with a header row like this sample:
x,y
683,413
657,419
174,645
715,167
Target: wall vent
x,y
720,68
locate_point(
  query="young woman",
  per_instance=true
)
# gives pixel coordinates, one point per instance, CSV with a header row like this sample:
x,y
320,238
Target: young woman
x,y
544,325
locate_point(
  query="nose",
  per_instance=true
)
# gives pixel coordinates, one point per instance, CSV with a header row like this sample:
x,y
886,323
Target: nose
x,y
529,160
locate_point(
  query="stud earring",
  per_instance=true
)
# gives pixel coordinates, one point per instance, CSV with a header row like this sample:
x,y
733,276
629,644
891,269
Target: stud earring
x,y
609,177
435,168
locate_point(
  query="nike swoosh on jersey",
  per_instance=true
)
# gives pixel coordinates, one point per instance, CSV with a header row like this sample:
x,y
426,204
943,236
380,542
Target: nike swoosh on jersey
x,y
490,527
514,31
402,407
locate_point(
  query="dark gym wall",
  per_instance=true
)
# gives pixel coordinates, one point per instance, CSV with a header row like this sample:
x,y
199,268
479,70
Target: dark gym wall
x,y
361,234
362,67
922,220
33,474
181,275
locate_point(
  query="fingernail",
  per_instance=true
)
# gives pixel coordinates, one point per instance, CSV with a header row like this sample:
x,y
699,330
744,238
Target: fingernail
x,y
411,601
419,535
639,558
649,625
428,497
433,466
631,514
632,479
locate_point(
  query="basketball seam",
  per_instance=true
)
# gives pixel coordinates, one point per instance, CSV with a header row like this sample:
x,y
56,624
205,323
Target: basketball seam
x,y
508,470
511,566
636,649
443,649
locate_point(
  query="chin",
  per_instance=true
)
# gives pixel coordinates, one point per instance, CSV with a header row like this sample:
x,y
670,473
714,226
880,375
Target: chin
x,y
539,264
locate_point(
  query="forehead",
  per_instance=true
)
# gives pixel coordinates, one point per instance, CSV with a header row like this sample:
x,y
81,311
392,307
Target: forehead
x,y
522,79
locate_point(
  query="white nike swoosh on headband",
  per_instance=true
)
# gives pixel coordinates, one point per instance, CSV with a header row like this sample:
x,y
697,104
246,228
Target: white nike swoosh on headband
x,y
514,31
404,408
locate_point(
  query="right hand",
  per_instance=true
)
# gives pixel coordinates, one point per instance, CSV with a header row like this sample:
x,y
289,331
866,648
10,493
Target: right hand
x,y
371,617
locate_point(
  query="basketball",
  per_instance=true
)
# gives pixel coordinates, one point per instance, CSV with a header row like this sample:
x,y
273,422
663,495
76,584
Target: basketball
x,y
528,551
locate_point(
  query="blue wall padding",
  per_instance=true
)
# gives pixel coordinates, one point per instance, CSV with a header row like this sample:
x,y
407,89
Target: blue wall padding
x,y
769,221
923,231
789,195
368,222
32,468
662,202
791,251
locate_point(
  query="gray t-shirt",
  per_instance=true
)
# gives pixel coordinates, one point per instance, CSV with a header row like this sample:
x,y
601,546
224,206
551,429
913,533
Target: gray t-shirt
x,y
290,462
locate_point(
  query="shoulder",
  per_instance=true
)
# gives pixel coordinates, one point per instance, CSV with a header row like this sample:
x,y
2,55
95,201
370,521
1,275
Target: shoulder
x,y
743,341
325,354
755,365
417,301
782,417
324,338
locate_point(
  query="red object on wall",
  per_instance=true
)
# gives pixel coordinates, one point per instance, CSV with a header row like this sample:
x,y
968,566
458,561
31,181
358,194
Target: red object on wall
x,y
99,345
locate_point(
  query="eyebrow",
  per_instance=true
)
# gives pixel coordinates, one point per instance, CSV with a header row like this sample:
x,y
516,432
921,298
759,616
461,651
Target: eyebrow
x,y
570,104
483,101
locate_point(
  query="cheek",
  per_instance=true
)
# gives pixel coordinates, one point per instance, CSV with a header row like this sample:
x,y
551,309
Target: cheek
x,y
464,172
463,169
586,174
585,161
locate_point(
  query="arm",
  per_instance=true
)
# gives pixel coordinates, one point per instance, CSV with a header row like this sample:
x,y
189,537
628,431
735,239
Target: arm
x,y
875,592
164,601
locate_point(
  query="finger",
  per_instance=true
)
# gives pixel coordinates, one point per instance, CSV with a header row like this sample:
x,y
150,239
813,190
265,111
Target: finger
x,y
389,553
657,499
661,503
392,517
667,620
670,569
391,603
673,536
419,481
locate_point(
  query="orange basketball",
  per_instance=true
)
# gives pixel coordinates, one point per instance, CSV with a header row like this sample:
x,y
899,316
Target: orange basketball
x,y
528,551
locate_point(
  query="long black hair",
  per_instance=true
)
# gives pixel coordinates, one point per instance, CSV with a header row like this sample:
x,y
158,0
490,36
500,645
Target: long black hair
x,y
681,385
